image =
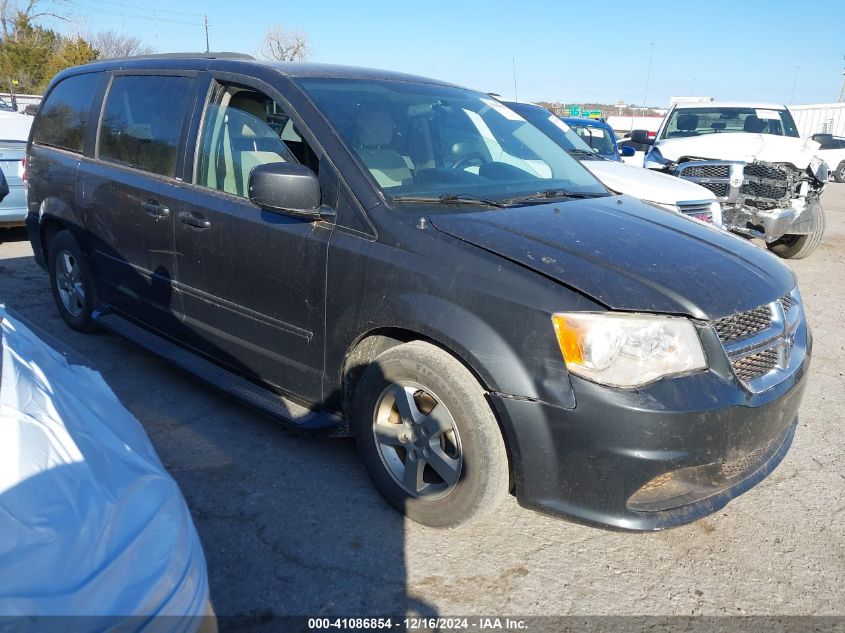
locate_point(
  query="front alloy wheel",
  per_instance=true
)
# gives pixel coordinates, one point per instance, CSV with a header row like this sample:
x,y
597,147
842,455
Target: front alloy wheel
x,y
417,440
428,437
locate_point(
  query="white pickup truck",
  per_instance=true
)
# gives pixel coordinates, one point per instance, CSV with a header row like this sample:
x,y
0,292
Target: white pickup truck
x,y
749,155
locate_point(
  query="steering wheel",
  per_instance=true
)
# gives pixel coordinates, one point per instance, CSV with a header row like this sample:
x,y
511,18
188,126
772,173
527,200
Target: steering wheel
x,y
467,159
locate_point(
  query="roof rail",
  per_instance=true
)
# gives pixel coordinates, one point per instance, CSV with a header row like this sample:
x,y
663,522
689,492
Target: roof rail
x,y
206,55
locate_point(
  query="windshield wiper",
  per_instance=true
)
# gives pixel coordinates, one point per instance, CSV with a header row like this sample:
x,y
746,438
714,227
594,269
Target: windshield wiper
x,y
583,152
451,198
550,194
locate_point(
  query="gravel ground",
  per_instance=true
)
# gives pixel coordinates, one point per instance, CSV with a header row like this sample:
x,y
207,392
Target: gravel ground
x,y
291,524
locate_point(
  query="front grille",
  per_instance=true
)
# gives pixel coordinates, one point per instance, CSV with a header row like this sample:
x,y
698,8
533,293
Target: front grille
x,y
765,190
743,325
707,171
756,365
761,170
719,189
761,344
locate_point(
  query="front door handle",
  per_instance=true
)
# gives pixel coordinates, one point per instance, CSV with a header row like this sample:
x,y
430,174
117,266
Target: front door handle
x,y
195,221
153,208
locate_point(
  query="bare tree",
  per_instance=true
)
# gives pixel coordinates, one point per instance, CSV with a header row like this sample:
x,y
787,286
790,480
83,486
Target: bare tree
x,y
285,45
111,44
13,14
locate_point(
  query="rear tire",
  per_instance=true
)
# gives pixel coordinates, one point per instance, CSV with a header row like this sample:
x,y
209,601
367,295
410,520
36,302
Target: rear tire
x,y
800,246
839,174
428,438
71,282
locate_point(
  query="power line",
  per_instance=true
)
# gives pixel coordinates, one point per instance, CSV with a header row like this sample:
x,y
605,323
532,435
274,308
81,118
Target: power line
x,y
150,18
143,8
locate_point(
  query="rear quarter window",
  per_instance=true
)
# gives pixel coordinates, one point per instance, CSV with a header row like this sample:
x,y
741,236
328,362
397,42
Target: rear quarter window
x,y
64,114
142,121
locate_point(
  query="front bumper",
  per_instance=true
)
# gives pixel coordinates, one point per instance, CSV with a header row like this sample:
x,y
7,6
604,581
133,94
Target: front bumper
x,y
586,464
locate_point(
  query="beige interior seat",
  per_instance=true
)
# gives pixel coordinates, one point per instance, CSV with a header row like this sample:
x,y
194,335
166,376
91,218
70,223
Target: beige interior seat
x,y
375,148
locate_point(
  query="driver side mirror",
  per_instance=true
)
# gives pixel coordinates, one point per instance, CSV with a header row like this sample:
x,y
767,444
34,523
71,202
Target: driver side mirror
x,y
287,188
627,151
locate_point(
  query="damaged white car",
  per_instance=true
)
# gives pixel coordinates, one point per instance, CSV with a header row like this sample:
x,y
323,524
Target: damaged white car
x,y
749,155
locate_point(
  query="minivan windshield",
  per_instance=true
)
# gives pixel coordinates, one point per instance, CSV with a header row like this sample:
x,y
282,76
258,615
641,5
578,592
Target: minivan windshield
x,y
720,120
434,143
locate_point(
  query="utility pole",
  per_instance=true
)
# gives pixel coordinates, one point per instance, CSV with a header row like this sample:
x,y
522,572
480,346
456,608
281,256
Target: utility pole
x,y
842,90
794,83
648,75
515,94
206,32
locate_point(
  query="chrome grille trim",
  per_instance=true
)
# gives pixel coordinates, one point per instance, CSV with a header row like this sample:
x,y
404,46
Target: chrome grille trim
x,y
761,343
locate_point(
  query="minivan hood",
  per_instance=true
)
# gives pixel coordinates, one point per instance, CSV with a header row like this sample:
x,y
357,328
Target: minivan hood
x,y
741,146
646,184
628,255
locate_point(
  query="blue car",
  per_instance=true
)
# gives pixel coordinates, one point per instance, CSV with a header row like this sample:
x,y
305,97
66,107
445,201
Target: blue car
x,y
598,135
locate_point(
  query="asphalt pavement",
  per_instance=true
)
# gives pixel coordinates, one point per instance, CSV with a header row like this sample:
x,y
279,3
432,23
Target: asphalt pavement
x,y
291,525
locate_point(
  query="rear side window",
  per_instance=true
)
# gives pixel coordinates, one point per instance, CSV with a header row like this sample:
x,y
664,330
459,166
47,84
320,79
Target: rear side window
x,y
61,121
142,122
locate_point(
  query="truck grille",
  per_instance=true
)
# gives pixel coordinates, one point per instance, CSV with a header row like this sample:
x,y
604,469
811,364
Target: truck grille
x,y
707,171
719,189
759,342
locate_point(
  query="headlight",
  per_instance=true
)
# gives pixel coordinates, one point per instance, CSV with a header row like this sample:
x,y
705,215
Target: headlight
x,y
627,350
654,156
819,169
716,213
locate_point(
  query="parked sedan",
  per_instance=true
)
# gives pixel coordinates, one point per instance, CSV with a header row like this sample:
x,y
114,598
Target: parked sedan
x,y
14,132
664,191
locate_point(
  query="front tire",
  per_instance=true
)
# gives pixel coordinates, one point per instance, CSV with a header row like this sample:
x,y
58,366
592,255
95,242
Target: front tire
x,y
839,174
800,246
428,438
71,282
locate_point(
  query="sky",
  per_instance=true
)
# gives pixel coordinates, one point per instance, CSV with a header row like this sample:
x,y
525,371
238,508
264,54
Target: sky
x,y
562,51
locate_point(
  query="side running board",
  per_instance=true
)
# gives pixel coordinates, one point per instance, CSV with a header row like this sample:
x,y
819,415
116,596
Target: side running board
x,y
278,406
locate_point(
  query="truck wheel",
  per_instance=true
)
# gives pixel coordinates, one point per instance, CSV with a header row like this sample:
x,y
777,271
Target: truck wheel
x,y
71,282
839,174
799,246
428,438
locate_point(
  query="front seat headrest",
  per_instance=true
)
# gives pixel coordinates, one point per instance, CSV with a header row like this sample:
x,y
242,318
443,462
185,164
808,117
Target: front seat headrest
x,y
753,124
687,122
376,129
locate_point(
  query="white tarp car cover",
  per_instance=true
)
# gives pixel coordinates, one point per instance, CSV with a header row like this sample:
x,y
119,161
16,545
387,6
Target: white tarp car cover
x,y
90,522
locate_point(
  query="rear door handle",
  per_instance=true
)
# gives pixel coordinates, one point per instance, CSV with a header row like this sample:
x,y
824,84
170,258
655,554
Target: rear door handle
x,y
153,208
190,219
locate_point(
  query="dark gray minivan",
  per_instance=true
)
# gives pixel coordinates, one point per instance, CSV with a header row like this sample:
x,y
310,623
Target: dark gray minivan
x,y
413,263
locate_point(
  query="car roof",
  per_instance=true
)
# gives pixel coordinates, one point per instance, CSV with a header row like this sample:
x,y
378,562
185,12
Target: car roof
x,y
730,104
230,61
585,121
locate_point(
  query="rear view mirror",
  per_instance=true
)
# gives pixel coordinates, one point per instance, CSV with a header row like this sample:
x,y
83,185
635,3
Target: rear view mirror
x,y
627,151
641,136
287,188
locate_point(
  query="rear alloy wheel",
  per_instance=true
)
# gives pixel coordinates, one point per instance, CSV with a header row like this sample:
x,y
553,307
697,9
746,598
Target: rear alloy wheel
x,y
71,282
428,437
800,246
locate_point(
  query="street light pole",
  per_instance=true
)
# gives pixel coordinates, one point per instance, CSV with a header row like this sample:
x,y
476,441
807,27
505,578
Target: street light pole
x,y
794,83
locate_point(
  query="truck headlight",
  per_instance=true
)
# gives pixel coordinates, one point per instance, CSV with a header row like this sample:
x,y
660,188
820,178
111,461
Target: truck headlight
x,y
656,159
716,213
819,169
627,350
